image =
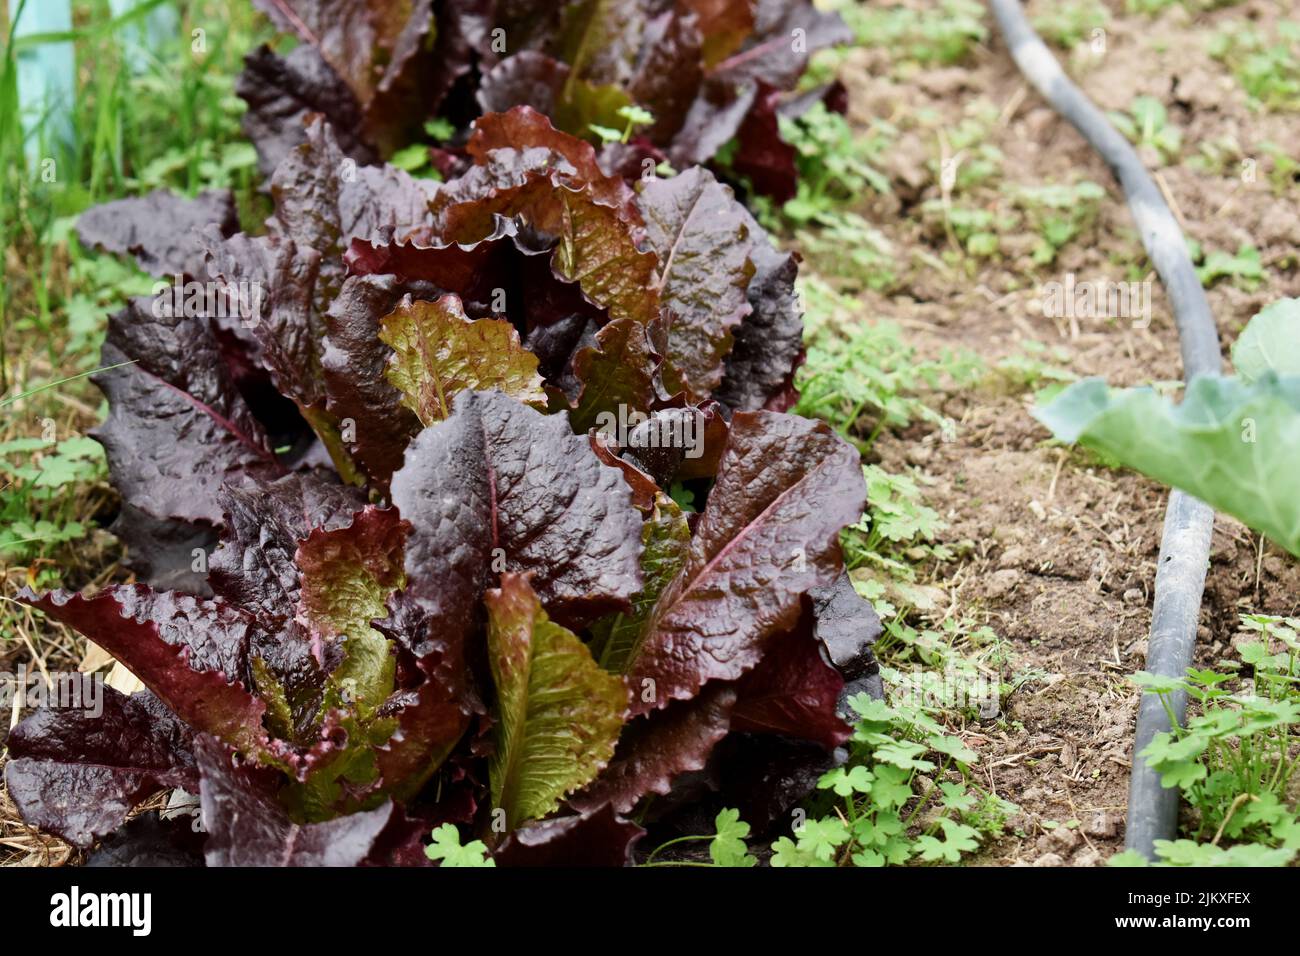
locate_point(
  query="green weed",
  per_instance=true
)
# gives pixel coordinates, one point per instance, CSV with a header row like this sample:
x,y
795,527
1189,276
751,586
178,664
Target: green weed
x,y
974,228
975,160
1147,124
844,245
41,484
906,794
1036,367
946,35
1070,23
446,849
898,531
1157,6
1244,267
1058,212
142,118
1237,756
1268,69
1284,171
867,378
836,164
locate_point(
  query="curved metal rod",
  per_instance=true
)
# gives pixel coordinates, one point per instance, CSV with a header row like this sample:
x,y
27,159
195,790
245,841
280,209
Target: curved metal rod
x,y
1185,542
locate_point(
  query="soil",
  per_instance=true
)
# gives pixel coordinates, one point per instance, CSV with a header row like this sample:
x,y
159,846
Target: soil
x,y
1064,551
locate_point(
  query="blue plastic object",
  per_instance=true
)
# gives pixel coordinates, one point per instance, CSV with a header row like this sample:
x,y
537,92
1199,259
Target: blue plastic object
x,y
47,79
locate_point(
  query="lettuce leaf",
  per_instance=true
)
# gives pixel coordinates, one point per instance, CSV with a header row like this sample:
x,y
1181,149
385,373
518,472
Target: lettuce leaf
x,y
558,714
79,775
769,533
438,352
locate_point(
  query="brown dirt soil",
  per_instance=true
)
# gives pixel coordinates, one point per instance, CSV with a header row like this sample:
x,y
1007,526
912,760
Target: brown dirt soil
x,y
1065,549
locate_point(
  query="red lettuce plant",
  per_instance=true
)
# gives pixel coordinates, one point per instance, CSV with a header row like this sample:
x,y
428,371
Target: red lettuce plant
x,y
451,583
700,73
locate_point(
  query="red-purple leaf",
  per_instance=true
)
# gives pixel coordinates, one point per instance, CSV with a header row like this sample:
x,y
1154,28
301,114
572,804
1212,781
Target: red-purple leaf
x,y
643,487
847,625
431,720
378,49
775,53
159,229
656,749
598,838
177,428
525,168
714,118
188,651
724,24
617,374
357,395
254,567
78,773
670,72
528,79
762,155
769,343
701,239
347,576
793,691
282,93
770,532
500,486
247,827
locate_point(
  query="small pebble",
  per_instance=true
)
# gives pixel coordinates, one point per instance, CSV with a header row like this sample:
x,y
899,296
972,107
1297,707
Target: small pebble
x,y
1086,857
1002,582
1102,825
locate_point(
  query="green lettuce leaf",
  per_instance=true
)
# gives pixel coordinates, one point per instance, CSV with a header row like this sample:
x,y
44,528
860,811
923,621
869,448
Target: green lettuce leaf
x,y
439,352
666,539
347,577
558,714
